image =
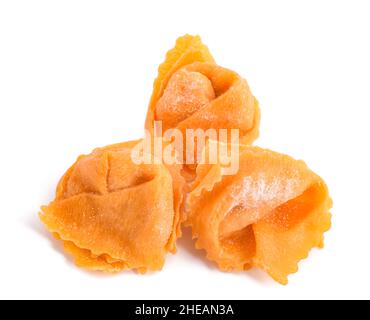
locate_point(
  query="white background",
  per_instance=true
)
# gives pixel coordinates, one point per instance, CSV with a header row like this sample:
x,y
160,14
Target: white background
x,y
75,75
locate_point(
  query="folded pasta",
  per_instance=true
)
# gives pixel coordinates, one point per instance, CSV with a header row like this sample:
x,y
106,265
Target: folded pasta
x,y
266,210
269,215
193,92
112,214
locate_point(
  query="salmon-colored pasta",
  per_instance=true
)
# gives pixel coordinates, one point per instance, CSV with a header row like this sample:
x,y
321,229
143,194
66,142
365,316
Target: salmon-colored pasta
x,y
193,92
113,214
269,215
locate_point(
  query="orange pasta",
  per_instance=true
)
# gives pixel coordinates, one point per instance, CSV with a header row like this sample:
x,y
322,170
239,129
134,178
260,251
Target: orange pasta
x,y
113,214
193,92
269,215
